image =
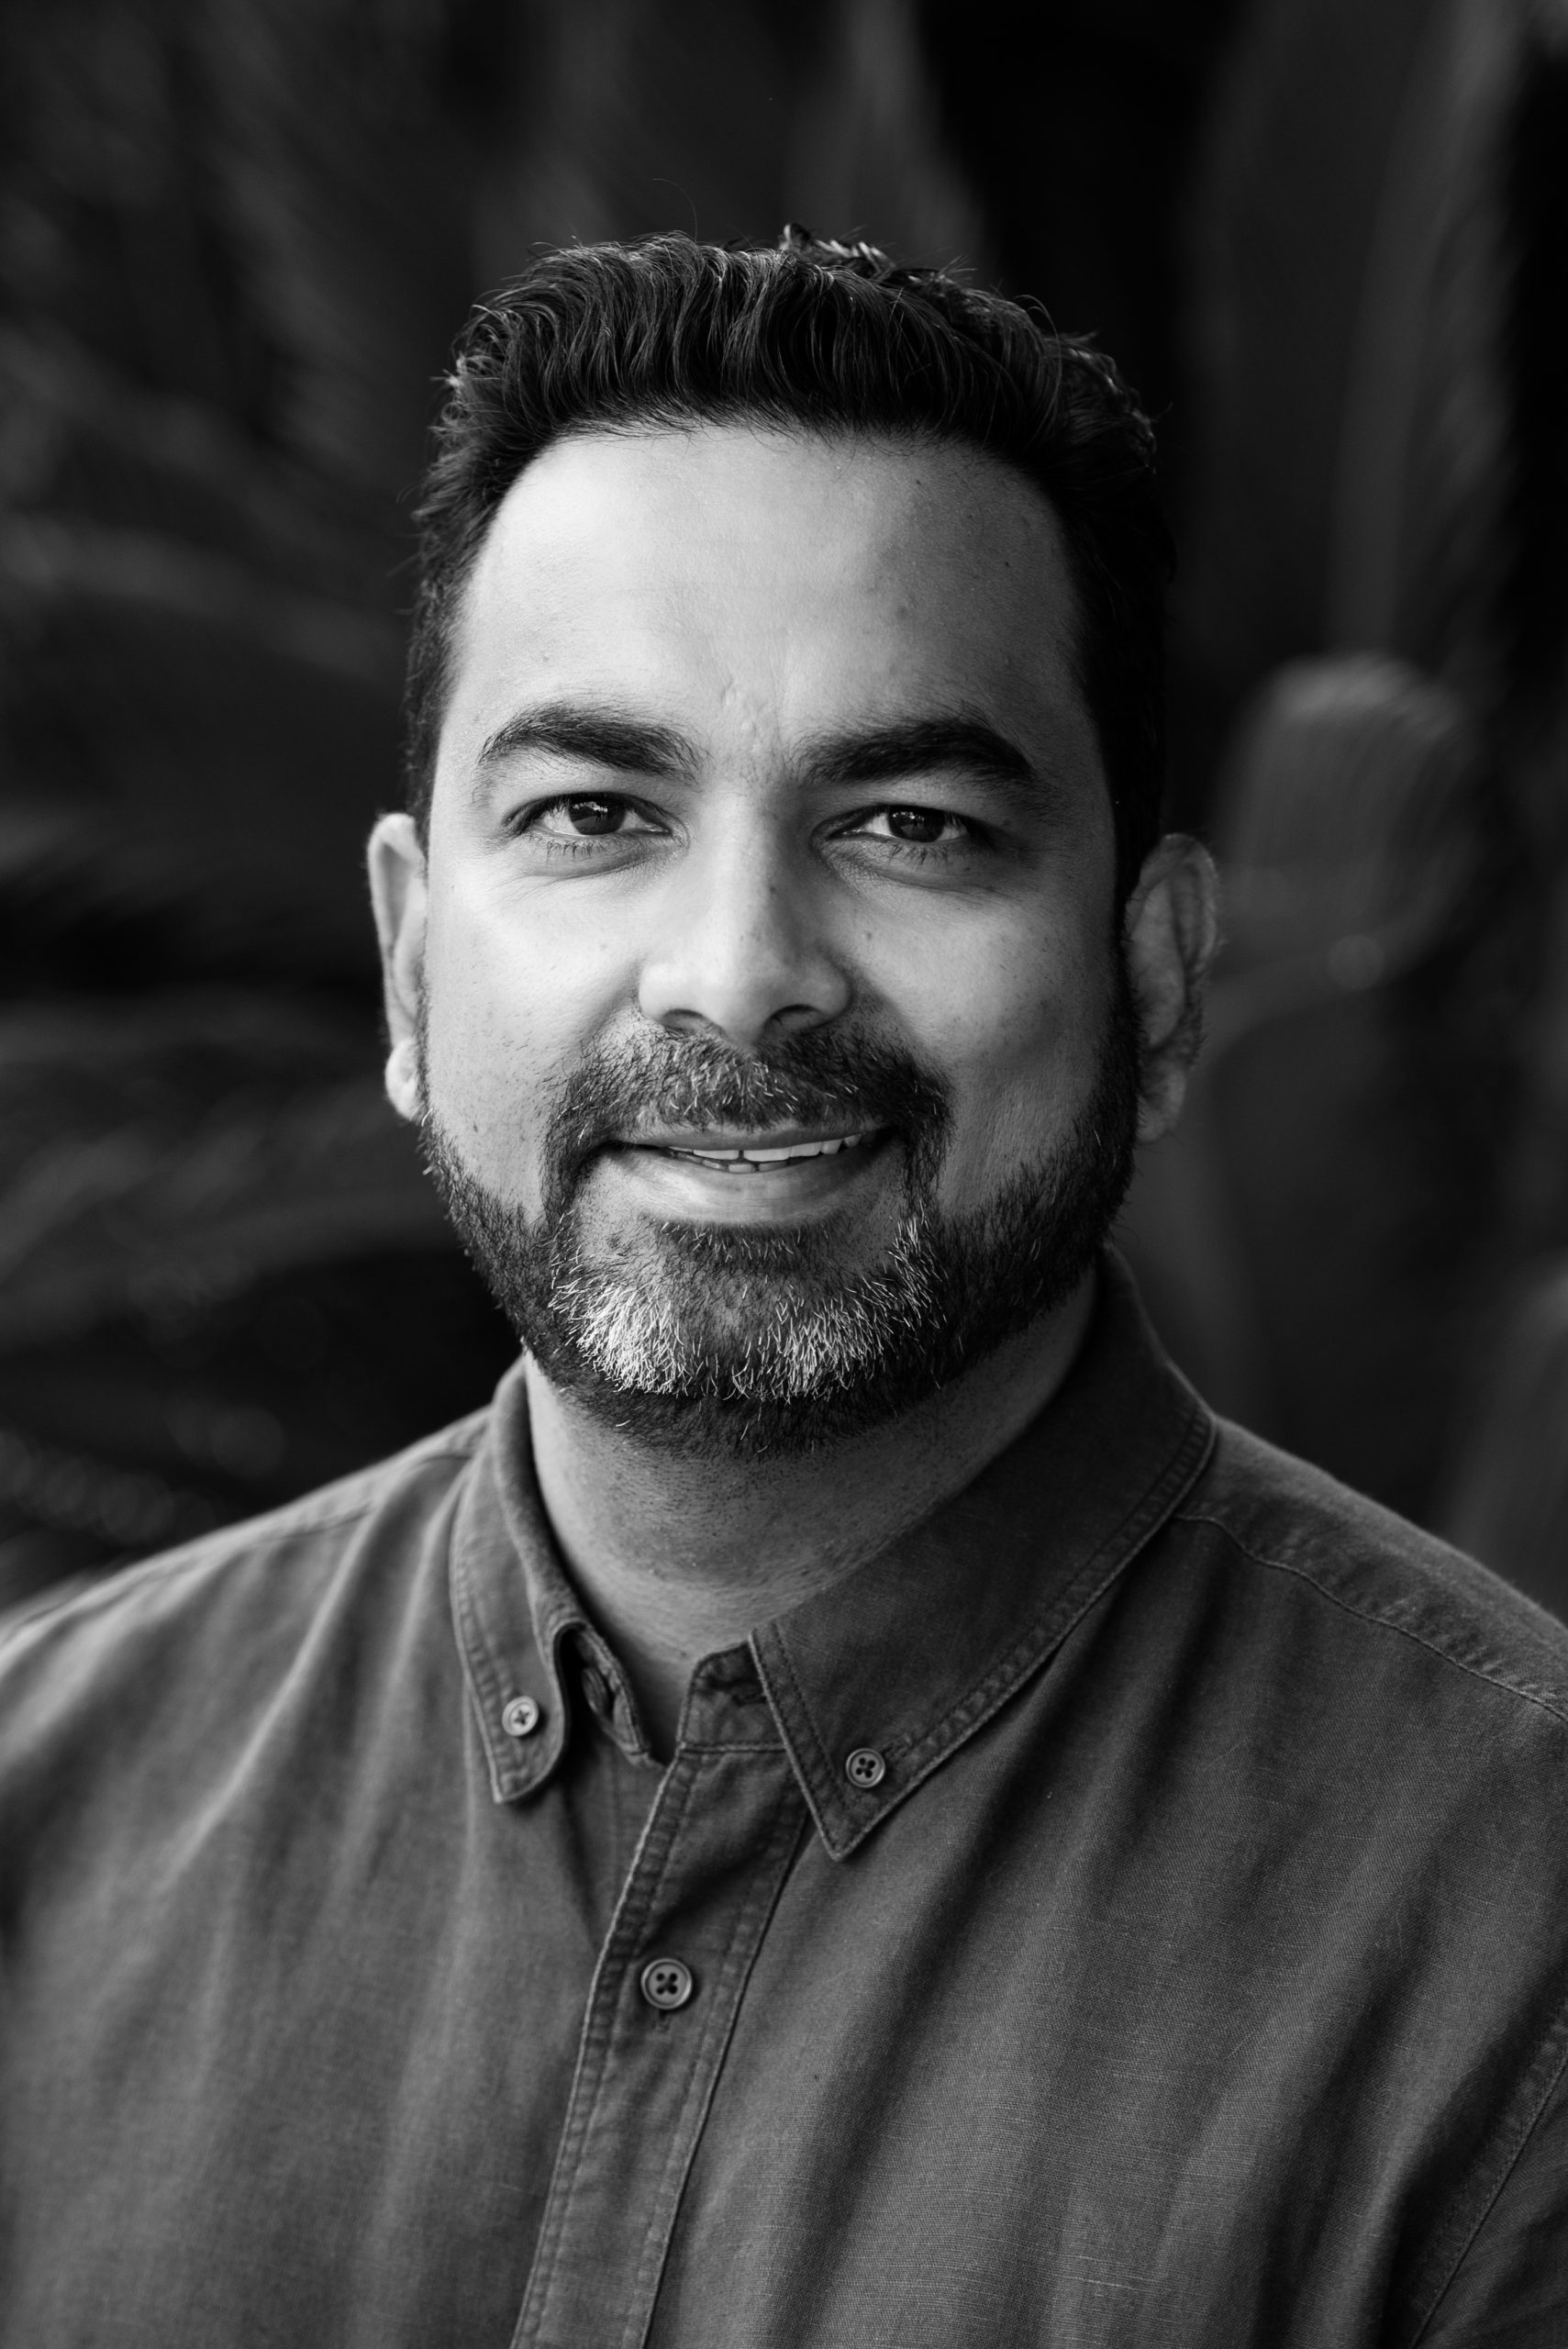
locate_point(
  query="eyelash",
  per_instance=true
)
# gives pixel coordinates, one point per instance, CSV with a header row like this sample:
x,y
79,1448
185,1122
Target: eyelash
x,y
587,846
920,851
557,845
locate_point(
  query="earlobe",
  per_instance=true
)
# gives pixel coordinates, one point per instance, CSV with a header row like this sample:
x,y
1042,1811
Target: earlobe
x,y
400,899
402,1079
1171,931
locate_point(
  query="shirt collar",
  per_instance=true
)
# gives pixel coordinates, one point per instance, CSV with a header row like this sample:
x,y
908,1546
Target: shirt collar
x,y
520,1627
900,1664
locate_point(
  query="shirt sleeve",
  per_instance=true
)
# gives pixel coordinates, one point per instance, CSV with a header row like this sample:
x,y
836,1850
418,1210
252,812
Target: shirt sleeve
x,y
1509,2289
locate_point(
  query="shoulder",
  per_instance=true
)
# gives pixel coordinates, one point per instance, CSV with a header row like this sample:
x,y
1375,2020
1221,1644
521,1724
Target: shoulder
x,y
227,1610
1390,1592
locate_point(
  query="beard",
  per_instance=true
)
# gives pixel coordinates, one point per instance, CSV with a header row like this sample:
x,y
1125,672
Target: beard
x,y
712,1339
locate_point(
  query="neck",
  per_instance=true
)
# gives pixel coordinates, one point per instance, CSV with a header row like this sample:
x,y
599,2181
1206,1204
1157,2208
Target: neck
x,y
676,1557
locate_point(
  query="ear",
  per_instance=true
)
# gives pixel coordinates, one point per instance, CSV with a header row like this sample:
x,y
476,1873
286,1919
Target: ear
x,y
400,896
1172,927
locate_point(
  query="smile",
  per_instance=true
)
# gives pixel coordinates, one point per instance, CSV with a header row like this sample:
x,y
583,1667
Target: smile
x,y
756,1158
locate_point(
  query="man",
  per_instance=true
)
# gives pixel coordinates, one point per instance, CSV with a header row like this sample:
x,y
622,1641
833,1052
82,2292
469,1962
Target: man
x,y
842,1810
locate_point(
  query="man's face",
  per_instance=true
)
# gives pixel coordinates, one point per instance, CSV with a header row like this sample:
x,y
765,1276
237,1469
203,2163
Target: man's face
x,y
768,818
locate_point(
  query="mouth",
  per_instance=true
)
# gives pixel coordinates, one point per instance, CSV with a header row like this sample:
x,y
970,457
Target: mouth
x,y
749,1155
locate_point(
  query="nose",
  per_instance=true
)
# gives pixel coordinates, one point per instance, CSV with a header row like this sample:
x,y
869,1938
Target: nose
x,y
741,950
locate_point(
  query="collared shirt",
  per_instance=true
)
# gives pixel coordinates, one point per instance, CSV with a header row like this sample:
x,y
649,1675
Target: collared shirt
x,y
1131,1909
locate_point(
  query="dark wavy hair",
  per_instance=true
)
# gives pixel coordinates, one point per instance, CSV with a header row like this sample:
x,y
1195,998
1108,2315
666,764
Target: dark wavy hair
x,y
823,338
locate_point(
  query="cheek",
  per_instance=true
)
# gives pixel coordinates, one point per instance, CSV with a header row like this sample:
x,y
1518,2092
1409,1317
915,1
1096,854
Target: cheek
x,y
512,999
1016,1026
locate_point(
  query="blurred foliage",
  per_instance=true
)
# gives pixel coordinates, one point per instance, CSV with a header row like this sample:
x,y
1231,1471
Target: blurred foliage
x,y
233,245
1326,238
233,240
1379,362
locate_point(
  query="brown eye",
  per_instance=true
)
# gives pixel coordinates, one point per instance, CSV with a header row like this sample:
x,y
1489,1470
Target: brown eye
x,y
922,825
595,815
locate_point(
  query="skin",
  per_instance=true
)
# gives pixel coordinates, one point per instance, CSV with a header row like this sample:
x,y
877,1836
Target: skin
x,y
706,629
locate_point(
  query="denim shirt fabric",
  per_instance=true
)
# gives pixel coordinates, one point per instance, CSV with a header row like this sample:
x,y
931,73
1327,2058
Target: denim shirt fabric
x,y
1130,1913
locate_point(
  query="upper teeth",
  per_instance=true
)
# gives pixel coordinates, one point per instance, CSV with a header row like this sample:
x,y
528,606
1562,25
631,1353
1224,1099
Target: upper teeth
x,y
748,1157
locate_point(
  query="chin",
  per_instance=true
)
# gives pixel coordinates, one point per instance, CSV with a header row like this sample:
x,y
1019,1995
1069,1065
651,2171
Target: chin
x,y
763,1344
755,1368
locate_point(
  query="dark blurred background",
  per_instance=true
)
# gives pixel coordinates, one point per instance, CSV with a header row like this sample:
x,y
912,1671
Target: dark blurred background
x,y
1327,240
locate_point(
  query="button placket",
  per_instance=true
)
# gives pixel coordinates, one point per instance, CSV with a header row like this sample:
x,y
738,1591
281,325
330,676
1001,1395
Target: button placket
x,y
714,1853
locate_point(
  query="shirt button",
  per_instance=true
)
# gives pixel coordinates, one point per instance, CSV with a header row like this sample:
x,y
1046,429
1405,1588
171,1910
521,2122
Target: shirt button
x,y
597,1691
865,1767
521,1718
667,1984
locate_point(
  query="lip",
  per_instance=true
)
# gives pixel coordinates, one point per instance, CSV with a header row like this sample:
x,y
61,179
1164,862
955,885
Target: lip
x,y
687,1139
734,1153
668,1178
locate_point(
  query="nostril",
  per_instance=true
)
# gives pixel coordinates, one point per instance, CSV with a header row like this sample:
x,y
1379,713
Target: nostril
x,y
719,974
742,1030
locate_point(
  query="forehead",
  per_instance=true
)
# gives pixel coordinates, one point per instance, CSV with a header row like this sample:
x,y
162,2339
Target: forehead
x,y
777,581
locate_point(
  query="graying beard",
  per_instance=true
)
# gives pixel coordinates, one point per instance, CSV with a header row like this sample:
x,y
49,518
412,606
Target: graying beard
x,y
639,1337
798,1358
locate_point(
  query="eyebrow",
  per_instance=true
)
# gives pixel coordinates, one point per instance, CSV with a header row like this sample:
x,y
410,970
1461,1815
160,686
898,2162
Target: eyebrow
x,y
918,746
865,757
604,738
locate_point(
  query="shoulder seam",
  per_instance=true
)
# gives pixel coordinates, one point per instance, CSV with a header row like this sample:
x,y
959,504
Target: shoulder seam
x,y
1367,1615
1465,2237
296,1518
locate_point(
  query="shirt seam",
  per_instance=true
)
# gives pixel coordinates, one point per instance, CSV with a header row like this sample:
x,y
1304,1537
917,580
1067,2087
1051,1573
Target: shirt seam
x,y
225,1541
727,1745
1115,1552
1370,1615
740,1952
158,1573
1554,2039
625,1940
1000,1680
484,1678
819,1814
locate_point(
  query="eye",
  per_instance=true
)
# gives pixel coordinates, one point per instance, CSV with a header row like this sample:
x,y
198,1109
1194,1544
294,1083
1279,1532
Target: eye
x,y
589,815
916,827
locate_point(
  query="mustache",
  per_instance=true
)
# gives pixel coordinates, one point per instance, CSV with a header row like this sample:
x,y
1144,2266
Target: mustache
x,y
663,1080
